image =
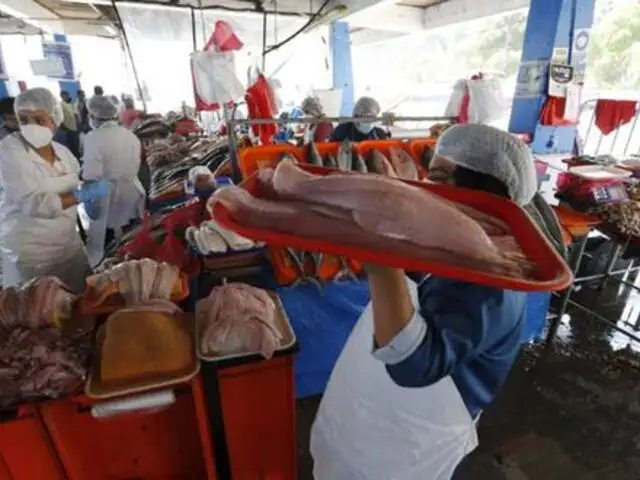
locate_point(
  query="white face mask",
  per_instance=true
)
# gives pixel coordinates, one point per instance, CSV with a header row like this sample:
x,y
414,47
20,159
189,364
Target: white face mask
x,y
364,127
36,135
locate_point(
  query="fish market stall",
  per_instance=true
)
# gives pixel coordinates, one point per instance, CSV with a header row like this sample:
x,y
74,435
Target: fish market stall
x,y
599,204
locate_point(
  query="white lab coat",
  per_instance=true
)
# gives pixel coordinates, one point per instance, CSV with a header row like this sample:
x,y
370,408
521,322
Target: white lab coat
x,y
112,152
369,428
38,236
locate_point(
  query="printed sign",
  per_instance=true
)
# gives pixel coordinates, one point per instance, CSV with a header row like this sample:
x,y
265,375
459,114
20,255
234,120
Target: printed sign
x,y
560,77
62,51
579,53
532,78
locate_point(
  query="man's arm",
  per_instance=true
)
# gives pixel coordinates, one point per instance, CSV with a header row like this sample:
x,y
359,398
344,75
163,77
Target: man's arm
x,y
422,345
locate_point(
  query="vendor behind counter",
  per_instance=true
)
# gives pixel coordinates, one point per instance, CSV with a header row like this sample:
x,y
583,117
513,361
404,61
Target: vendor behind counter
x,y
361,131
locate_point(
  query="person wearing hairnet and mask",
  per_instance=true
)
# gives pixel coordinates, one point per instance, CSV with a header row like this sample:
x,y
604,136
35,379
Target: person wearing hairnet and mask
x,y
429,354
320,131
112,153
40,193
358,131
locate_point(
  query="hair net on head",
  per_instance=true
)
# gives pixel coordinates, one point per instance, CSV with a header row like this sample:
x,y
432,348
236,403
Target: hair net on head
x,y
366,107
102,108
488,150
40,99
312,106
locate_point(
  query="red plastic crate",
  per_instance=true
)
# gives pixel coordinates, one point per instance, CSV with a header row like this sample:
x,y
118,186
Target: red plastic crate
x,y
153,445
26,452
258,410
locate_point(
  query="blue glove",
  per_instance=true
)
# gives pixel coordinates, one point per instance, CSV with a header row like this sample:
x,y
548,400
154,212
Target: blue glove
x,y
92,209
91,191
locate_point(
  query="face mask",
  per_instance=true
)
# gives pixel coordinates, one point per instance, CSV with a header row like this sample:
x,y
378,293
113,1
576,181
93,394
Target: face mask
x,y
36,135
364,127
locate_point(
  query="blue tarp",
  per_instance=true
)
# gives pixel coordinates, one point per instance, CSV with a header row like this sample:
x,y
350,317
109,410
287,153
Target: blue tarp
x,y
322,320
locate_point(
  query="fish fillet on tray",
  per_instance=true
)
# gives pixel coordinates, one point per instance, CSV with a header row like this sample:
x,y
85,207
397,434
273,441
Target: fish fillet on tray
x,y
450,232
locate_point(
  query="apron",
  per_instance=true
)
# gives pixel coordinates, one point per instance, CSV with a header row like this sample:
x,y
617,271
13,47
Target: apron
x,y
369,428
70,264
111,215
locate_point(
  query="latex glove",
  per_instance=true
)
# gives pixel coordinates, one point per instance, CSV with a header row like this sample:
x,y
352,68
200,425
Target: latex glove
x,y
388,118
90,191
92,209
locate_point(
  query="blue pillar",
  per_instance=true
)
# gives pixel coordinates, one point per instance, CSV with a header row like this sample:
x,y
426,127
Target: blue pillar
x,y
69,84
340,44
551,24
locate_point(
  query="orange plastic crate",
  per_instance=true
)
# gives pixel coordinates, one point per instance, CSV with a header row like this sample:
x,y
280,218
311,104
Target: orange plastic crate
x,y
257,402
26,452
154,445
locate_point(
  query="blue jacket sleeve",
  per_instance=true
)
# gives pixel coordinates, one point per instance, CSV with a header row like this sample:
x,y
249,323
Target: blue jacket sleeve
x,y
459,325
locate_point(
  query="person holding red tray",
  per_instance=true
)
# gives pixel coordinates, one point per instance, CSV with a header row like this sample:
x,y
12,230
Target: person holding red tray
x,y
427,357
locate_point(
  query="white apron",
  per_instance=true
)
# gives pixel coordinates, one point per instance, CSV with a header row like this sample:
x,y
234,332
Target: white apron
x,y
369,428
60,252
124,203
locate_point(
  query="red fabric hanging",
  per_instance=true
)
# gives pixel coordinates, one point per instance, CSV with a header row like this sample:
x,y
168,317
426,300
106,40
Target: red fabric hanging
x,y
612,114
261,104
464,105
552,112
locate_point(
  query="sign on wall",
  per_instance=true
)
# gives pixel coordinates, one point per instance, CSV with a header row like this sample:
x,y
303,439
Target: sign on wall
x,y
579,53
532,79
61,51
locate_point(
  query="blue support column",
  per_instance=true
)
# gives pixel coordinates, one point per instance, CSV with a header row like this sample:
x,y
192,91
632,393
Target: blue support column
x,y
551,24
4,84
340,44
71,86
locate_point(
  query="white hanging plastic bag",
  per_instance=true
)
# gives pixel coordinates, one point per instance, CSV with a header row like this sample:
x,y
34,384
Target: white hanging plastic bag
x,y
215,79
487,102
455,101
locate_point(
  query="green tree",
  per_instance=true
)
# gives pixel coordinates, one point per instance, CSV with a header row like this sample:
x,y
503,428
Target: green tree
x,y
614,52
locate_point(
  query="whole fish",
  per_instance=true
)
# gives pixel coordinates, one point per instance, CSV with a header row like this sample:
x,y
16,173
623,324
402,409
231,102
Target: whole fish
x,y
358,163
403,164
330,162
313,157
288,156
345,153
427,156
376,161
345,271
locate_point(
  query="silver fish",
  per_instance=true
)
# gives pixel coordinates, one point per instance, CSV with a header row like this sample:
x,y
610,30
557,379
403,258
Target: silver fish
x,y
358,163
330,162
313,157
375,161
345,153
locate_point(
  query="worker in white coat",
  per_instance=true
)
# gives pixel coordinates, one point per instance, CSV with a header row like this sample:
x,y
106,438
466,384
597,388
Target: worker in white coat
x,y
426,357
111,152
40,194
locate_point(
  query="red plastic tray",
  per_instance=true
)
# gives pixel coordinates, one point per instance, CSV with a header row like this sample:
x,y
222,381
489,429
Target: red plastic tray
x,y
553,272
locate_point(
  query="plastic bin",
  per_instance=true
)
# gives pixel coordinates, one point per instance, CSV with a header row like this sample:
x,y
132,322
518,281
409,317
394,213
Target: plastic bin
x,y
250,408
26,452
159,444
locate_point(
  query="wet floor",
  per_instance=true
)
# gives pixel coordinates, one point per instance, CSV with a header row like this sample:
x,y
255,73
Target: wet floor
x,y
567,411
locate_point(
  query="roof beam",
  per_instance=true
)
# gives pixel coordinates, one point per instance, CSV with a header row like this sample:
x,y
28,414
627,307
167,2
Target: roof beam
x,y
389,17
27,10
457,11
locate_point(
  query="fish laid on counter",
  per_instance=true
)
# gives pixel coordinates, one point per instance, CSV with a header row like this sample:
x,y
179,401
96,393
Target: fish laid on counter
x,y
138,280
330,162
403,164
378,163
345,155
313,157
237,318
358,163
372,212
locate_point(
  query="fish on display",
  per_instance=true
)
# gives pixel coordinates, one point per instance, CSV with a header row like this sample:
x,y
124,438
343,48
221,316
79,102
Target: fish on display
x,y
345,153
403,164
375,161
313,157
358,163
426,157
330,162
288,156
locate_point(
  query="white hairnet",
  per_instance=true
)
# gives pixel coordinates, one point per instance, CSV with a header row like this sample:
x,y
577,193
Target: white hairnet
x,y
487,150
366,107
40,99
102,107
312,106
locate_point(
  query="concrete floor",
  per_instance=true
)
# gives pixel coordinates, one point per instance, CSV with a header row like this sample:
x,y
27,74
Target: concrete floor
x,y
569,411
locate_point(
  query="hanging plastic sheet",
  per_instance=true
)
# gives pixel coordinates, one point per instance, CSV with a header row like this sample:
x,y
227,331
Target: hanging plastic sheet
x,y
214,76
